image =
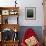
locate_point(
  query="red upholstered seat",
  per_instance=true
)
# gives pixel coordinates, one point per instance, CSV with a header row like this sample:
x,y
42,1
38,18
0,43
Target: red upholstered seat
x,y
29,33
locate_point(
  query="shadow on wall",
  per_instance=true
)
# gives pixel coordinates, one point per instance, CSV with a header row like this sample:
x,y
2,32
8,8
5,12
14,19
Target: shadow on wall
x,y
37,29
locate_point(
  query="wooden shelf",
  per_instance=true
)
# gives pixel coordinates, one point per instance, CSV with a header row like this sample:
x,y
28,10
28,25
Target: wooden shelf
x,y
4,13
9,8
10,43
11,26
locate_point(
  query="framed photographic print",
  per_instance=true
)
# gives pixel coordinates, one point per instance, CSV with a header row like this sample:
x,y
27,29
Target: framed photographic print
x,y
0,36
30,13
12,20
0,19
5,12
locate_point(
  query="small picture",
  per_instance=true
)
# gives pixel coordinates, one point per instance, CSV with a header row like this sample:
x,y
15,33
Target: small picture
x,y
5,12
30,13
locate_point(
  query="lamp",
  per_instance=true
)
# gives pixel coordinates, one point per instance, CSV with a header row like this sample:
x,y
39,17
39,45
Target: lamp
x,y
15,35
15,3
15,30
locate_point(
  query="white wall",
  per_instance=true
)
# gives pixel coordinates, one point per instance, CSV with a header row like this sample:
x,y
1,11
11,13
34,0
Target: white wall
x,y
39,13
27,3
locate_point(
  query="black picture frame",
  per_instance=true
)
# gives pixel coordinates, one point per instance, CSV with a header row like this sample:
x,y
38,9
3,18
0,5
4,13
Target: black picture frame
x,y
30,13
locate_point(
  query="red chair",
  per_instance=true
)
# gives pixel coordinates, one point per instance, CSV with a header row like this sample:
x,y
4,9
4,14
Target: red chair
x,y
29,33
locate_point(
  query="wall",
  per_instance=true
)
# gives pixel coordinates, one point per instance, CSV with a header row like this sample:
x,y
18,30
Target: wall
x,y
37,29
44,12
39,13
27,3
45,22
22,21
